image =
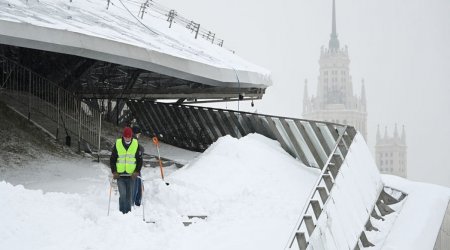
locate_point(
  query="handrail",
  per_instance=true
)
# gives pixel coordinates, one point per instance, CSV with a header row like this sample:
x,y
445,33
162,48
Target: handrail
x,y
313,191
258,114
52,101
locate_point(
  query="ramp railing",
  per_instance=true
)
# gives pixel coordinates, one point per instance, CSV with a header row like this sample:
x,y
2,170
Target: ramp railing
x,y
320,193
56,110
195,128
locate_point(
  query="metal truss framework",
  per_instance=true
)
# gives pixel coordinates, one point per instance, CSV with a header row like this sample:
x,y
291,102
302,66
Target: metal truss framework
x,y
91,79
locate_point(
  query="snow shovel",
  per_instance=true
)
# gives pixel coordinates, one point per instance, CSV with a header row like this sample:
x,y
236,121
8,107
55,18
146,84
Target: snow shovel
x,y
156,142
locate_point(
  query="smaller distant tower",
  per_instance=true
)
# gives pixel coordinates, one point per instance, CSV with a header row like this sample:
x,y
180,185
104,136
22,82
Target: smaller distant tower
x,y
391,152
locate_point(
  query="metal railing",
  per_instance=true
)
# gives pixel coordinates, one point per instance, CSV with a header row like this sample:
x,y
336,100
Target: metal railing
x,y
195,128
320,193
174,17
53,108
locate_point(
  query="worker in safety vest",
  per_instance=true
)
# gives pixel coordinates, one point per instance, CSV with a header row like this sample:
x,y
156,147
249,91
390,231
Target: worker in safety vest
x,y
126,163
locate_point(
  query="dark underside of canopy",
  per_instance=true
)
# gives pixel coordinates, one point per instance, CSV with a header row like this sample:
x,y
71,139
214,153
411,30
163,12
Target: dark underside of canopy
x,y
95,79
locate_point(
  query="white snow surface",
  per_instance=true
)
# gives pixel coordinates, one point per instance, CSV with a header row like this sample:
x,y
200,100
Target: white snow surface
x,y
167,151
117,24
250,189
417,225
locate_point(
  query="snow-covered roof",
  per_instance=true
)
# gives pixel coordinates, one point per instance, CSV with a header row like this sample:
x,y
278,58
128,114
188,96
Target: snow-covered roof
x,y
87,28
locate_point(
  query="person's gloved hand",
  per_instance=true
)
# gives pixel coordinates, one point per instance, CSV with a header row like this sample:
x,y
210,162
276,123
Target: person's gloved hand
x,y
134,175
115,175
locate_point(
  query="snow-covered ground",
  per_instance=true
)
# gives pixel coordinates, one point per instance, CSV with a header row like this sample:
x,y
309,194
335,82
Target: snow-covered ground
x,y
250,189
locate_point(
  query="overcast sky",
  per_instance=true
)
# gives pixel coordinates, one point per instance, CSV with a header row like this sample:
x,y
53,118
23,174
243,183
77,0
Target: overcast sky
x,y
400,47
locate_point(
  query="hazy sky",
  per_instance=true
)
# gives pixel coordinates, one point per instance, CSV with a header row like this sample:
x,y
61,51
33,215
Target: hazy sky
x,y
400,47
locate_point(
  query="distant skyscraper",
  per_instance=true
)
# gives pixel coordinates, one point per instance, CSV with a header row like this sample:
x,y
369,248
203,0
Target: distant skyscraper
x,y
335,101
390,152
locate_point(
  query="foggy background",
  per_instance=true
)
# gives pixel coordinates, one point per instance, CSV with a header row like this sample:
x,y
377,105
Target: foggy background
x,y
401,48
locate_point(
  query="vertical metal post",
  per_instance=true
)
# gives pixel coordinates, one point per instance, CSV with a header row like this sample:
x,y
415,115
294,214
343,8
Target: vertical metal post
x,y
143,6
196,32
79,124
99,135
29,95
172,14
117,112
3,72
58,113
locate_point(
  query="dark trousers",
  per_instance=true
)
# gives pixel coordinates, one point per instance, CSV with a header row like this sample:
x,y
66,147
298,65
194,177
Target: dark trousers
x,y
137,194
126,186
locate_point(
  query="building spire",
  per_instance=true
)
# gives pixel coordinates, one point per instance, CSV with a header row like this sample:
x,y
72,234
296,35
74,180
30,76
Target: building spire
x,y
334,42
403,135
378,134
305,97
363,93
396,132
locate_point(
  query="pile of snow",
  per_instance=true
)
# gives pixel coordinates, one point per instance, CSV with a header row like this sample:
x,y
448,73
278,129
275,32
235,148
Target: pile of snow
x,y
251,190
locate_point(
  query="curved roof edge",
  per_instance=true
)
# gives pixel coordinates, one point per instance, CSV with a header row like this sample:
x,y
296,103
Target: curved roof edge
x,y
68,42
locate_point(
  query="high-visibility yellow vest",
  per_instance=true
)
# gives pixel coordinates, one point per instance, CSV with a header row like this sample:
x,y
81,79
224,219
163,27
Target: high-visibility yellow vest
x,y
126,160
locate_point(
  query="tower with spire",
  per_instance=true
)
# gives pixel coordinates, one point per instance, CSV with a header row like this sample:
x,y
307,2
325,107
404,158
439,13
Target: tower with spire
x,y
390,152
335,100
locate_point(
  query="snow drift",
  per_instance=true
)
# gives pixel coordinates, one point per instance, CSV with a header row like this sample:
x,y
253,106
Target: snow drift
x,y
250,189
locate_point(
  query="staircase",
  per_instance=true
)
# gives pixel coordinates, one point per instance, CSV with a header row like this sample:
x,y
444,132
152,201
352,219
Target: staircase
x,y
57,111
320,193
382,207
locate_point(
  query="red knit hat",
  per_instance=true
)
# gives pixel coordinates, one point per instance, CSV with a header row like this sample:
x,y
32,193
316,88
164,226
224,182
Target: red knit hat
x,y
127,132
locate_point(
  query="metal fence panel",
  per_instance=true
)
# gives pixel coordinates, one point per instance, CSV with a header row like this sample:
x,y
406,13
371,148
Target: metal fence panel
x,y
45,103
